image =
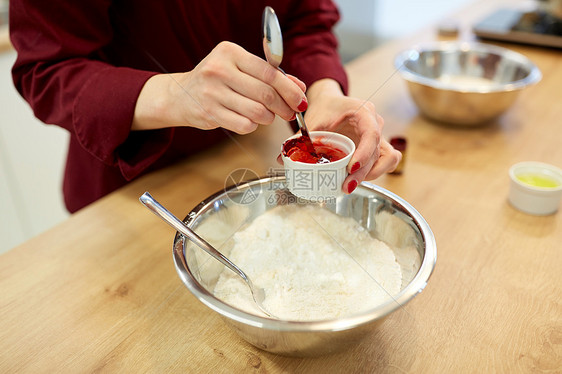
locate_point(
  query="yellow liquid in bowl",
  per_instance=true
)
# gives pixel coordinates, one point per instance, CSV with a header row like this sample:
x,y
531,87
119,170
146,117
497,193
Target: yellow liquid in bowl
x,y
538,180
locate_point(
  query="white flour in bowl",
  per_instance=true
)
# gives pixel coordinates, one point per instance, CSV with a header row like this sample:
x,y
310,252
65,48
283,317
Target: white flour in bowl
x,y
312,264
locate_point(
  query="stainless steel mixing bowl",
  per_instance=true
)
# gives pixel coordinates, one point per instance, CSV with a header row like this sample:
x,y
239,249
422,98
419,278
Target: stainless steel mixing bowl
x,y
385,215
464,83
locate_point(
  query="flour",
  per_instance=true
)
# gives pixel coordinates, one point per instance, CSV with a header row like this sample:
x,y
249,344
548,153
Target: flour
x,y
312,264
468,82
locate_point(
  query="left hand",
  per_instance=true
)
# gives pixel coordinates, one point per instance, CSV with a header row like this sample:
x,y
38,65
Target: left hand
x,y
330,110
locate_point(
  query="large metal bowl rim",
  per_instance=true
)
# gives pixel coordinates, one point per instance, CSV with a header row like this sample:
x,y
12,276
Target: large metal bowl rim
x,y
409,292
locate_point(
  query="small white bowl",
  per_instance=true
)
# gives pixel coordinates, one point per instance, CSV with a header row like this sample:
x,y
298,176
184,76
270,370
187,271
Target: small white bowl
x,y
319,182
535,188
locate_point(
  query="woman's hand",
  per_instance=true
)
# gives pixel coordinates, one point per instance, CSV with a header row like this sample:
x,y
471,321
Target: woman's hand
x,y
230,88
331,110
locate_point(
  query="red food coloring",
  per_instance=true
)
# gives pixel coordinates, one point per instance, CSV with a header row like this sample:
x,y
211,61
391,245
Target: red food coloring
x,y
296,150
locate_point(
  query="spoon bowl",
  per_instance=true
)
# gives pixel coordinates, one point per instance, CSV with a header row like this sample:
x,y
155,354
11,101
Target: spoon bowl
x,y
272,38
258,294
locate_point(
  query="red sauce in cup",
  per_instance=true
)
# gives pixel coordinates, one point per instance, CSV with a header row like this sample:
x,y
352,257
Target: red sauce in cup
x,y
296,150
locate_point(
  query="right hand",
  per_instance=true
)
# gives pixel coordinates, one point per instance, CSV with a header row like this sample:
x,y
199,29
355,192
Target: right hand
x,y
229,88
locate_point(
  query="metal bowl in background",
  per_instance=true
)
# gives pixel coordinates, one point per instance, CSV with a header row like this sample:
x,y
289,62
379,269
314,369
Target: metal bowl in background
x,y
464,83
217,218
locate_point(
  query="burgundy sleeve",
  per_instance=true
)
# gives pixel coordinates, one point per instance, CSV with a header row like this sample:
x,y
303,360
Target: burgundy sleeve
x,y
309,43
58,73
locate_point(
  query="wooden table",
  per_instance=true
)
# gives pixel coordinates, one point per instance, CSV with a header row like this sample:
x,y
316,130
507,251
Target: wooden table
x,y
99,292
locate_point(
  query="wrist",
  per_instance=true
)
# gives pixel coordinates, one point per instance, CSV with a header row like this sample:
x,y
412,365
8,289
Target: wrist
x,y
152,109
323,87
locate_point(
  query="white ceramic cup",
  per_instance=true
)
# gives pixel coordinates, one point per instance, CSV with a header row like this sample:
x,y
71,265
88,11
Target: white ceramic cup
x,y
530,198
319,182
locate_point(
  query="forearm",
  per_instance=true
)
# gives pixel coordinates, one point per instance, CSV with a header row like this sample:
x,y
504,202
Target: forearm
x,y
57,73
92,100
311,48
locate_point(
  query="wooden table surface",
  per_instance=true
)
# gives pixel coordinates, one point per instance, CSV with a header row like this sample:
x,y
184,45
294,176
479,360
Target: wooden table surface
x,y
99,292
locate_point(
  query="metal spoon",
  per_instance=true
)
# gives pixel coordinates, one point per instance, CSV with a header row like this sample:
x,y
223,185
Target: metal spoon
x,y
258,293
273,49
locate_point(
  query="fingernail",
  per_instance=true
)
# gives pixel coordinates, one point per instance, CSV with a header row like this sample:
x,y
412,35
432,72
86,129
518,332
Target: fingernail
x,y
294,117
302,106
356,166
351,186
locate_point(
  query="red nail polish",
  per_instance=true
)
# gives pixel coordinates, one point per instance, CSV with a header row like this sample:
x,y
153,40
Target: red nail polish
x,y
294,117
351,186
356,166
302,106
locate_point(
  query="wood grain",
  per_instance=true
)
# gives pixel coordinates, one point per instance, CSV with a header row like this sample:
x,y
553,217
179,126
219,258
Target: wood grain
x,y
99,292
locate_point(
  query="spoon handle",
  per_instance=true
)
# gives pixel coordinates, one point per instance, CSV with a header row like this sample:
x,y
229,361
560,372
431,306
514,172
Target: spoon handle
x,y
304,129
147,200
305,134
